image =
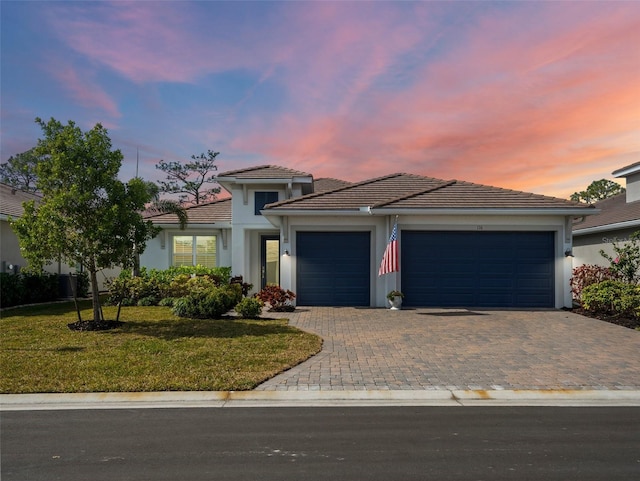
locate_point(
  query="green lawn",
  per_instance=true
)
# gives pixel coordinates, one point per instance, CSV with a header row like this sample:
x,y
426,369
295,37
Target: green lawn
x,y
153,351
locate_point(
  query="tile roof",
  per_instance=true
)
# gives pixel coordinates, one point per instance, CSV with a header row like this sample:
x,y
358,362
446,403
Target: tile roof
x,y
326,184
408,191
613,210
212,212
264,172
11,200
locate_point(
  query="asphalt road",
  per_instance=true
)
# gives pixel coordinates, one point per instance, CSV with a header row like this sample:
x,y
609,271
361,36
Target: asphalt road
x,y
353,443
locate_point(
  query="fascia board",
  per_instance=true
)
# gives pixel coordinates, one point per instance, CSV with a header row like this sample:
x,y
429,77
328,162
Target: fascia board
x,y
624,172
281,181
479,211
604,228
217,225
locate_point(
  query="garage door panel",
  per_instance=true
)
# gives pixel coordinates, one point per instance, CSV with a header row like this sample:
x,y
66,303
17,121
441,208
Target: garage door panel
x,y
484,269
333,268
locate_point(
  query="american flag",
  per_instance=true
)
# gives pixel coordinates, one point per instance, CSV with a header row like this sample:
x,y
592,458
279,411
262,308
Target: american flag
x,y
390,257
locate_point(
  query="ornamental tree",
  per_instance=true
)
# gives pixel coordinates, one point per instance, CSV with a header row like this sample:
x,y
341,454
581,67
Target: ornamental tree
x,y
86,214
189,179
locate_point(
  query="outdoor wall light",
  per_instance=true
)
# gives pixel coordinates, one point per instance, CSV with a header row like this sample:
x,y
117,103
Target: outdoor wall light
x,y
286,253
568,253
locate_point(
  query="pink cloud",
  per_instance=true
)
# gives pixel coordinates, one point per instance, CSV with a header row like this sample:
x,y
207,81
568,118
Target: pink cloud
x,y
511,105
82,87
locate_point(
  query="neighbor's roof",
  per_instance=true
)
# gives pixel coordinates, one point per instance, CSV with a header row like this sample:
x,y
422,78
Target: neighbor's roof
x,y
262,172
217,211
414,192
11,200
615,213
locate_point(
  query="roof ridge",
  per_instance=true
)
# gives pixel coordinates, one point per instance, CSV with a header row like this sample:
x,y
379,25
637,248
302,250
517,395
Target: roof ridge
x,y
326,192
444,184
261,167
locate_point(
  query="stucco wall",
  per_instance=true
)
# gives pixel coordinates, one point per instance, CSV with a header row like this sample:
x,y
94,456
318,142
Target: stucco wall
x,y
586,248
380,228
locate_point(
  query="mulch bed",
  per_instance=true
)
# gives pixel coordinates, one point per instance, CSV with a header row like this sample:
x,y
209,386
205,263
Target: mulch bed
x,y
94,325
620,321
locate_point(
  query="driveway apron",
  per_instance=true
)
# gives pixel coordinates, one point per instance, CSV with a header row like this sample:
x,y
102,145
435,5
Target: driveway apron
x,y
434,349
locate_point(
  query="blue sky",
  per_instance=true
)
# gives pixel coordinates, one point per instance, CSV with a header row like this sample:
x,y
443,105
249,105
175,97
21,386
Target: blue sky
x,y
535,96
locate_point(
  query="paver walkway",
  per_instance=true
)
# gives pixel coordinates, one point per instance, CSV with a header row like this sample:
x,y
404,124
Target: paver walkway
x,y
433,349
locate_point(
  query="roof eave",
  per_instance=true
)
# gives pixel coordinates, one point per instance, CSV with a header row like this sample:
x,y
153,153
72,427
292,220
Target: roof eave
x,y
190,225
270,180
366,210
603,228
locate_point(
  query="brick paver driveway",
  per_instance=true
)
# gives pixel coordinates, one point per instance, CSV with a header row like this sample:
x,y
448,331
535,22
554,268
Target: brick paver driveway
x,y
422,349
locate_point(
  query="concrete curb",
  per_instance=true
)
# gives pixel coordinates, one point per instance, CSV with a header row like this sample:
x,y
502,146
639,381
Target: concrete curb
x,y
224,399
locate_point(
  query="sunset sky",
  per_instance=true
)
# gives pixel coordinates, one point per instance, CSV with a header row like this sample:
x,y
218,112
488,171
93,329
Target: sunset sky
x,y
535,96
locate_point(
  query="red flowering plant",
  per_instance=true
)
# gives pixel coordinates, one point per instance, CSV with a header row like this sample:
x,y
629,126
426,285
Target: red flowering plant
x,y
279,299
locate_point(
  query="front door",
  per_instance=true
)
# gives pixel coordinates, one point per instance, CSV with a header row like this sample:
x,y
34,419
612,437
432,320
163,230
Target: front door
x,y
270,260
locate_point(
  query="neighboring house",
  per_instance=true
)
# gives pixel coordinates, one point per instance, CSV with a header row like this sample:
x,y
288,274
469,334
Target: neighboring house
x,y
619,218
11,201
461,244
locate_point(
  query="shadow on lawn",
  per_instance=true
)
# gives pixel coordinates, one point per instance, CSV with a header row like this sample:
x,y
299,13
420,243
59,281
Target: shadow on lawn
x,y
171,329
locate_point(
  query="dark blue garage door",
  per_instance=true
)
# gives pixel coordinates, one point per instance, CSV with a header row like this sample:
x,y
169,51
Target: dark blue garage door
x,y
332,268
477,269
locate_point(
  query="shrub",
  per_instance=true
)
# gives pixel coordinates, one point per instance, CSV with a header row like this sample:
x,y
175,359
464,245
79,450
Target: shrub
x,y
279,299
616,298
82,285
27,288
167,301
627,262
148,301
11,291
249,308
587,275
205,304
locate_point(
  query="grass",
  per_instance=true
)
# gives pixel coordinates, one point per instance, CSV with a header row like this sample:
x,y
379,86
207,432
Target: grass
x,y
153,351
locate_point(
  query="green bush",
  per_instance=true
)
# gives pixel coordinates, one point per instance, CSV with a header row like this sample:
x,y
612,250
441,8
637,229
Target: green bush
x,y
627,261
130,290
616,298
172,282
249,308
148,301
28,288
82,285
205,304
11,291
587,275
167,301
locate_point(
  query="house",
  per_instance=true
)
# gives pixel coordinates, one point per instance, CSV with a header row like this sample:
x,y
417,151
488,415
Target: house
x,y
461,244
11,201
11,260
619,218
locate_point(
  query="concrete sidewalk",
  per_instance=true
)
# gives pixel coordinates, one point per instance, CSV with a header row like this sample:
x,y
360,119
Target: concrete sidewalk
x,y
424,357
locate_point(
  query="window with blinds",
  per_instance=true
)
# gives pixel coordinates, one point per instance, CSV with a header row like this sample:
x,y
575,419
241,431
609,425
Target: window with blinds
x,y
194,250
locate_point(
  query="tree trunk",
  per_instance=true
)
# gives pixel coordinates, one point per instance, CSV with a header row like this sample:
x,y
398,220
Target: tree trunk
x,y
95,295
